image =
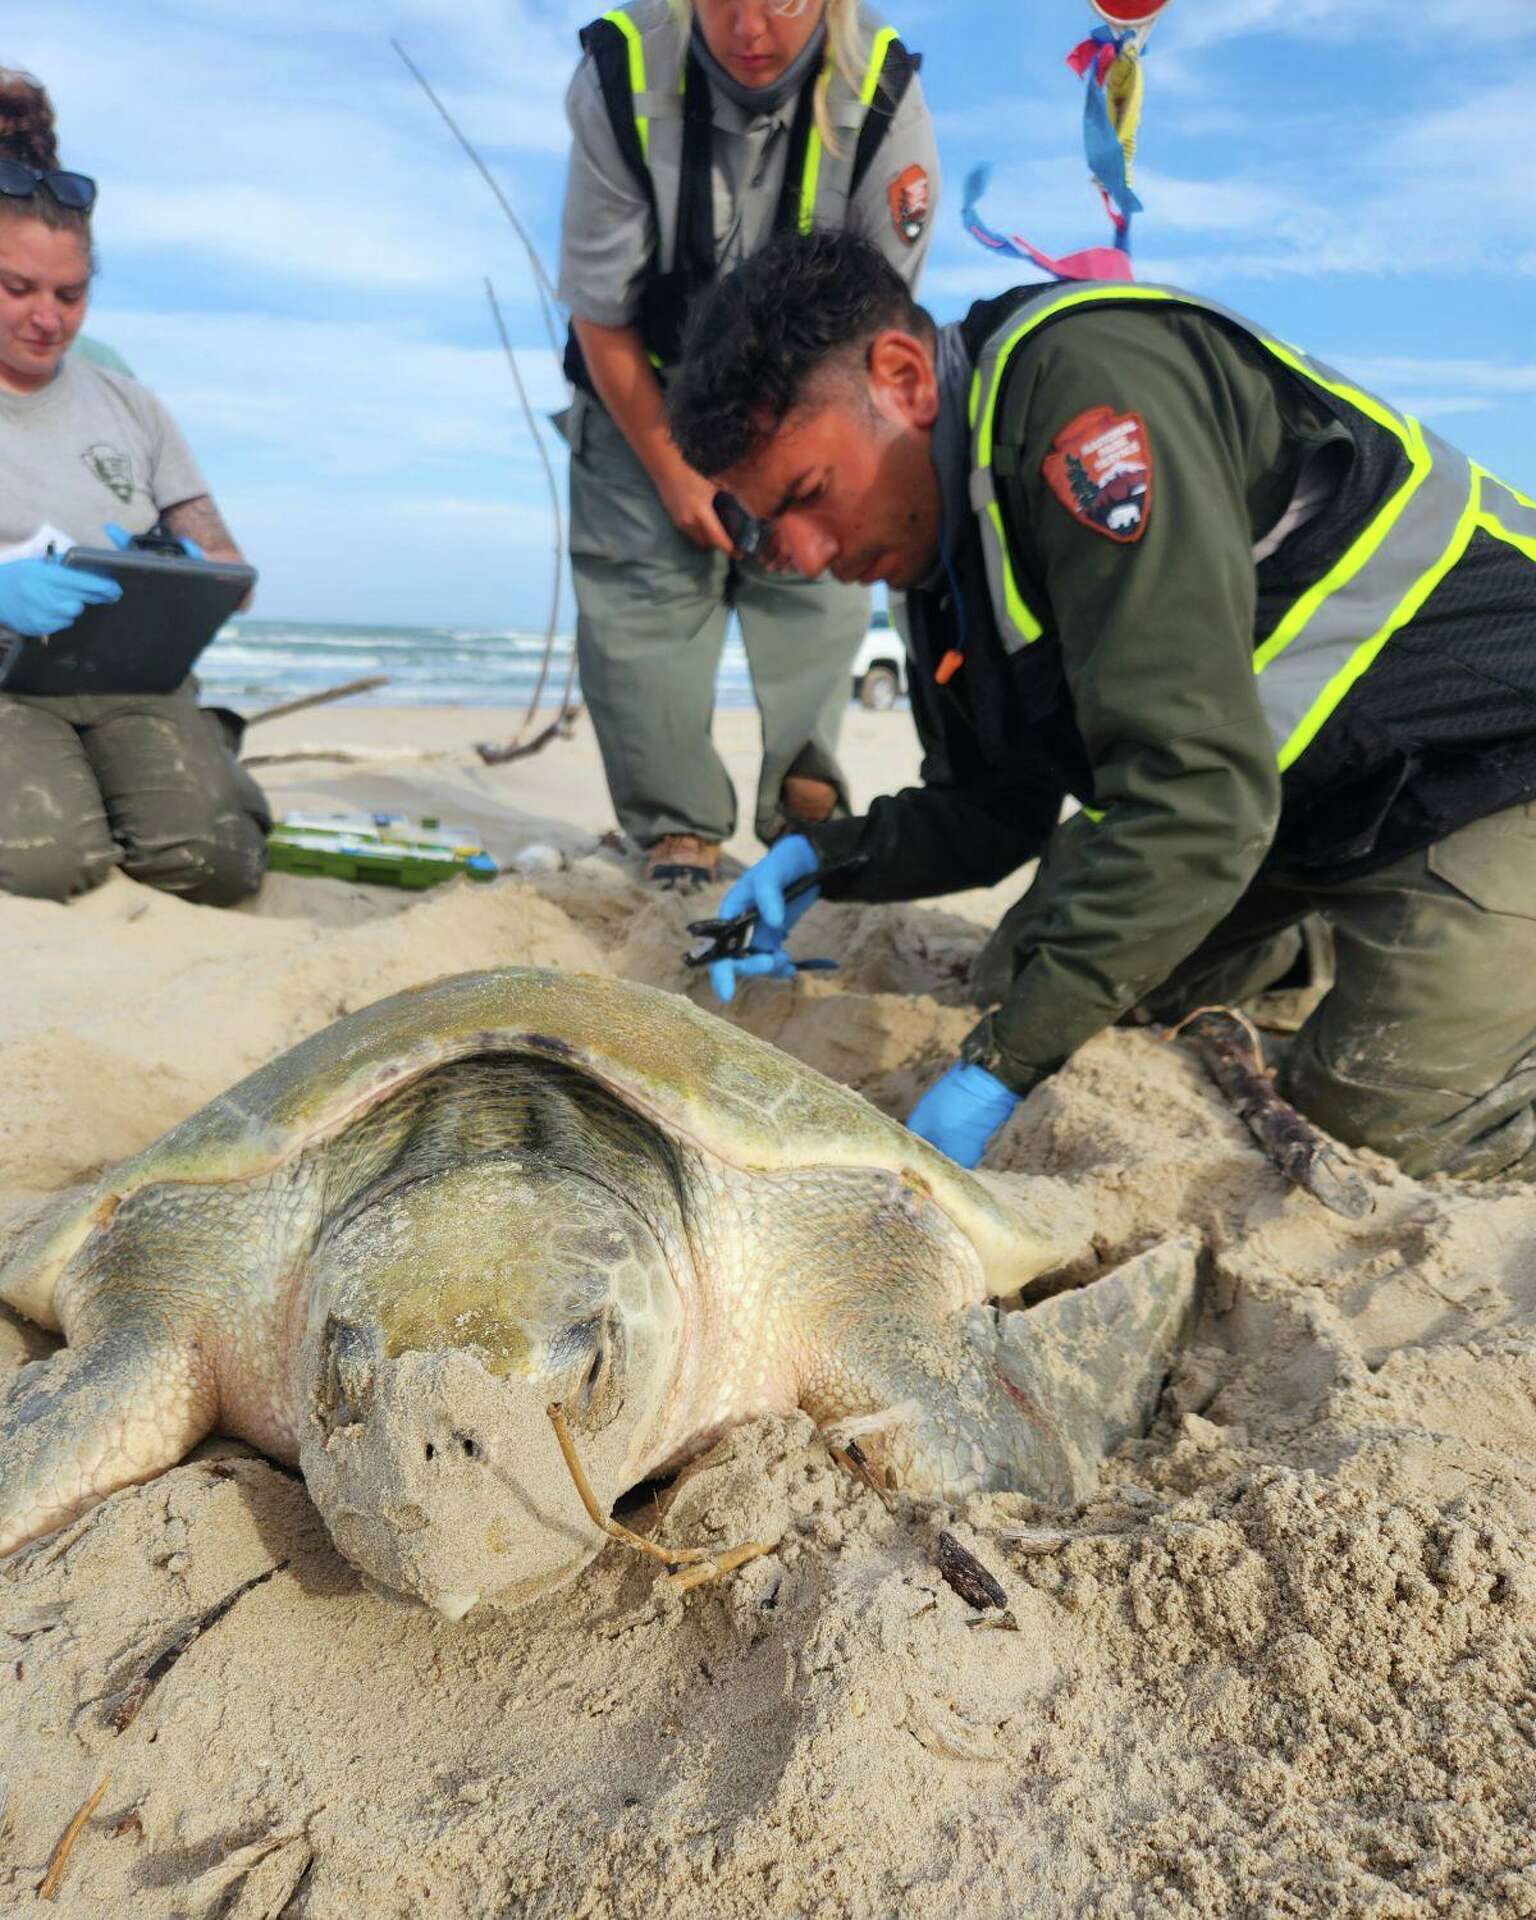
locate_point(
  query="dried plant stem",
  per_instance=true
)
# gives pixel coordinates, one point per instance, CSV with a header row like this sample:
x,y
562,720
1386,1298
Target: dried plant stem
x,y
67,1841
704,1564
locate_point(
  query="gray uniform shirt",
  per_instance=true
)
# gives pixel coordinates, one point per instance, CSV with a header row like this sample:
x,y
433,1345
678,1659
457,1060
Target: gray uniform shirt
x,y
91,446
608,234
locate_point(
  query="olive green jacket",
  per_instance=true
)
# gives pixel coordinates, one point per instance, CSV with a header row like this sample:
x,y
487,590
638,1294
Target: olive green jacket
x,y
1156,645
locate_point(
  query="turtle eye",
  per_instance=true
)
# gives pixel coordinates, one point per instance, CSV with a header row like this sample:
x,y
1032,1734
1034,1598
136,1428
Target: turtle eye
x,y
598,1394
594,1376
344,1391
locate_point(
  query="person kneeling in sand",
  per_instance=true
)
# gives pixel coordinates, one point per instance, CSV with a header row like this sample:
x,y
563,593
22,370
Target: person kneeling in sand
x,y
142,781
1278,640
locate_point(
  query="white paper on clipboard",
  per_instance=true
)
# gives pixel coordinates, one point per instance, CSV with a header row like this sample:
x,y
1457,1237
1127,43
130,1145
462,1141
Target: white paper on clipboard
x,y
36,545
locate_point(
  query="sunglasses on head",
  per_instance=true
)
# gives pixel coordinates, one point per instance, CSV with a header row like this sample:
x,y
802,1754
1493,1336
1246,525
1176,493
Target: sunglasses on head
x,y
77,191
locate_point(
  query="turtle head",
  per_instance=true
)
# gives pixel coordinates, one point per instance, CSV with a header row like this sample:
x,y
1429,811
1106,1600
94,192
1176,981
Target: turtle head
x,y
445,1319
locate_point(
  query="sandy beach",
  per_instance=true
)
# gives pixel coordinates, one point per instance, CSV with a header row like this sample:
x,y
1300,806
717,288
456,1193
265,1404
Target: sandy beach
x,y
1284,1663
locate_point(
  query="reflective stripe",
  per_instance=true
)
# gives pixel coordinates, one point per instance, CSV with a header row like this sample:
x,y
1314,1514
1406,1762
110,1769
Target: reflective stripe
x,y
1507,514
1015,617
1017,621
631,33
810,178
1333,632
1346,613
1521,499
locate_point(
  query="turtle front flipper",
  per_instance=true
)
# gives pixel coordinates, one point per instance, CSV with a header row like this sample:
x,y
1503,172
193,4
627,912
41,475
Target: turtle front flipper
x,y
125,1402
1027,1402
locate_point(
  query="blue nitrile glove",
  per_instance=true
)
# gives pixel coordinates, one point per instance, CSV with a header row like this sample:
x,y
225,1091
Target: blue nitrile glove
x,y
762,887
122,539
961,1111
43,596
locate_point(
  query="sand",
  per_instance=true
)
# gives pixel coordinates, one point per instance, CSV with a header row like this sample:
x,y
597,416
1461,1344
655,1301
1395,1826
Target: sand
x,y
1281,1665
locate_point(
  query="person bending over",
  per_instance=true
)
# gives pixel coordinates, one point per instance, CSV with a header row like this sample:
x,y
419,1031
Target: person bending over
x,y
698,131
1277,639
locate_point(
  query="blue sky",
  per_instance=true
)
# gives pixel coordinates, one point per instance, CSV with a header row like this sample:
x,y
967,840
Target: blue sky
x,y
293,250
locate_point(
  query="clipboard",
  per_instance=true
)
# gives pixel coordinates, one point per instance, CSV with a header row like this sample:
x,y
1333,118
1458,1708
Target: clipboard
x,y
147,642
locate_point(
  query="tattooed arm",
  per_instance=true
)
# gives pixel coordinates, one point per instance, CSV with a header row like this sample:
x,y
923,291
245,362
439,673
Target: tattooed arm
x,y
200,520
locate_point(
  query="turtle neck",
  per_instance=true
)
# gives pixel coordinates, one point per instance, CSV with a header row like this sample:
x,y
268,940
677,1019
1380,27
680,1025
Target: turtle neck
x,y
762,100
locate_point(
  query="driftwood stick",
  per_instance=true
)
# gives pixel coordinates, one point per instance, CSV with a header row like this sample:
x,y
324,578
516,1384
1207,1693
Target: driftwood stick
x,y
1229,1053
497,754
127,1704
321,699
961,1569
347,756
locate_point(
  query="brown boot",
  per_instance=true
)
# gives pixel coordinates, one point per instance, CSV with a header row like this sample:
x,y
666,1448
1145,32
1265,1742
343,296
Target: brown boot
x,y
682,861
806,801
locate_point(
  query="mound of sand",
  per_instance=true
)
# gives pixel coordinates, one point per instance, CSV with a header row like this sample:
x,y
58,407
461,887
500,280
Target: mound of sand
x,y
1282,1664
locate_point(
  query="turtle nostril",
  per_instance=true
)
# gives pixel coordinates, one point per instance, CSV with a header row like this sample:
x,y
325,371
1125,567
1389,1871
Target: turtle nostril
x,y
431,1451
471,1447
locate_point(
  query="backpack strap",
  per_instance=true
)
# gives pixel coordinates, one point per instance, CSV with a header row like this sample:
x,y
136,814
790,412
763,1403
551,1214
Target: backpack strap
x,y
895,77
786,216
696,194
610,46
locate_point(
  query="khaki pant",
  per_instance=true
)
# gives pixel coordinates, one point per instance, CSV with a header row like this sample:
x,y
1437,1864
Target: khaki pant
x,y
1425,1047
141,781
652,613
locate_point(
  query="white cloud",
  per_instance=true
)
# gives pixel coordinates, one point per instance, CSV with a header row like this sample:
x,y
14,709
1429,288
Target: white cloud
x,y
1487,379
364,468
428,560
301,166
352,399
1216,21
1442,191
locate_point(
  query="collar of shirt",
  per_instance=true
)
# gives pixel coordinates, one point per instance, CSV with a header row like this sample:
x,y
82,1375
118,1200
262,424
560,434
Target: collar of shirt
x,y
43,399
951,444
759,103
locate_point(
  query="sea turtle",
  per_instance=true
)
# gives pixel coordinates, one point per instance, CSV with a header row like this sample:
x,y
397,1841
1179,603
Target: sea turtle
x,y
382,1255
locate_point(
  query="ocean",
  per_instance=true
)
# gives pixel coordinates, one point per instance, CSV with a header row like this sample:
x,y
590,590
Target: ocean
x,y
256,663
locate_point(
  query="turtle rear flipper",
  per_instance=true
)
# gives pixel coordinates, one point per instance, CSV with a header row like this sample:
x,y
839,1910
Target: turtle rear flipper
x,y
121,1406
1027,1402
1088,1366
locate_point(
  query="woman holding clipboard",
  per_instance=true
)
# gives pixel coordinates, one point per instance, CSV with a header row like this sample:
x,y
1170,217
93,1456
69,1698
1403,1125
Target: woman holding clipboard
x,y
98,780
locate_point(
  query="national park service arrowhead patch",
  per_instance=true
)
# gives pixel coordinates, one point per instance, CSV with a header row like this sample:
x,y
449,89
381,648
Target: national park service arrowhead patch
x,y
1100,469
908,195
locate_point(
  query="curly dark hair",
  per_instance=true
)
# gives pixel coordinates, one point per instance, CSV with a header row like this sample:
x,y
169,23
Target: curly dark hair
x,y
29,133
757,339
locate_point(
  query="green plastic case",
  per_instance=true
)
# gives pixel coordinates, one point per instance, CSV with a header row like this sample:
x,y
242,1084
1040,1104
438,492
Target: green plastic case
x,y
381,849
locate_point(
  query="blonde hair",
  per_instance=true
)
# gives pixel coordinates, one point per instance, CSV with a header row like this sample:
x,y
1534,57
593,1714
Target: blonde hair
x,y
849,50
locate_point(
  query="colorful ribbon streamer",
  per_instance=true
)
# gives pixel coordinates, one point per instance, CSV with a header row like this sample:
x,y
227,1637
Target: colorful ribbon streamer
x,y
1109,64
1092,263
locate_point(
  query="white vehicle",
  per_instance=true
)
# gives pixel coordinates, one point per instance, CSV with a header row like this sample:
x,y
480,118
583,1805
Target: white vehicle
x,y
880,665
